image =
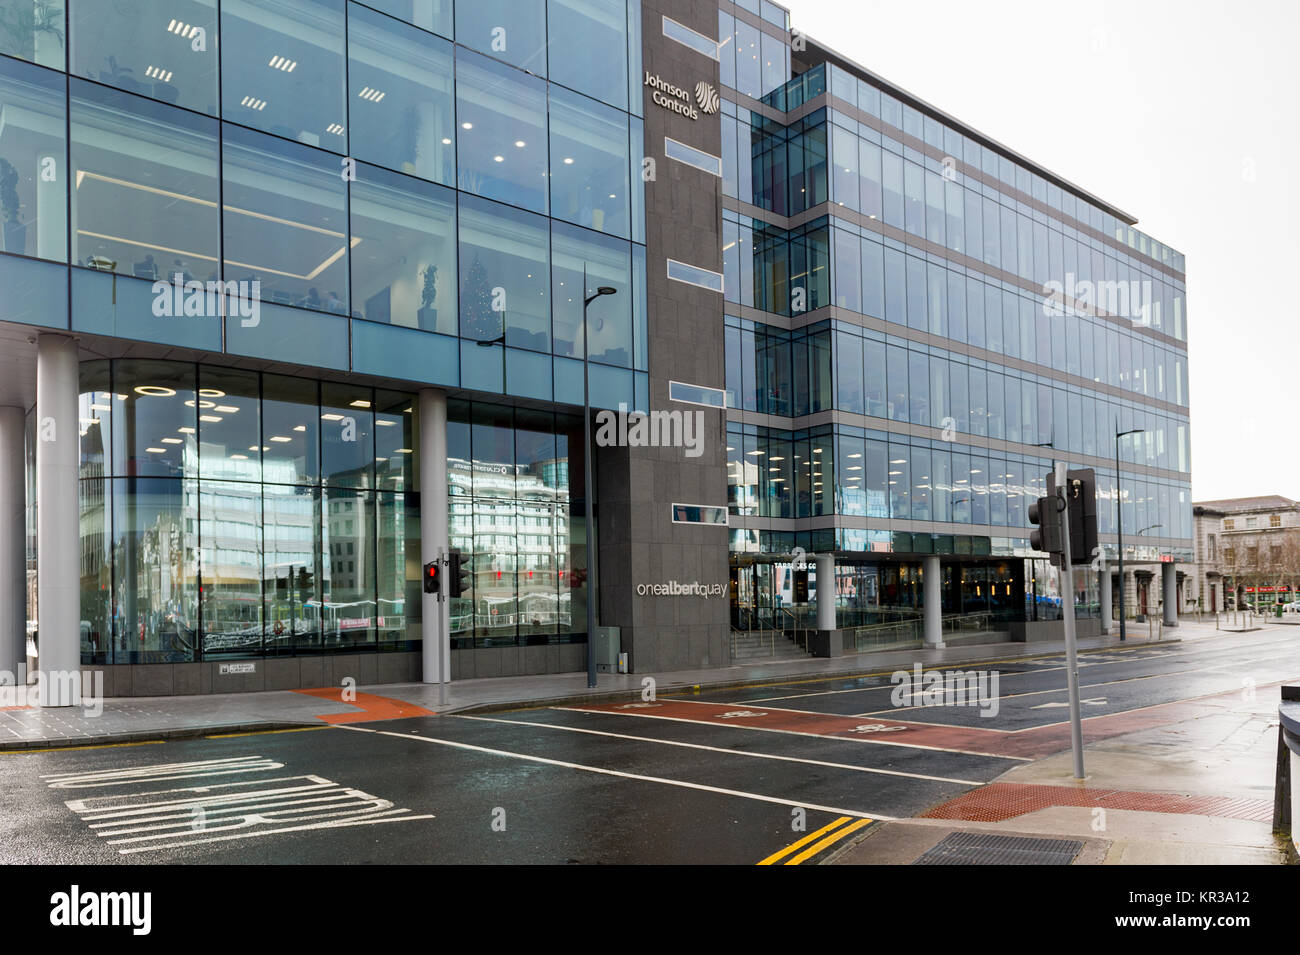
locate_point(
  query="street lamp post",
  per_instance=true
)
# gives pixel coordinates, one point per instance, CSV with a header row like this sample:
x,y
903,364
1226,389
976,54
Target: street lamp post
x,y
586,460
1119,525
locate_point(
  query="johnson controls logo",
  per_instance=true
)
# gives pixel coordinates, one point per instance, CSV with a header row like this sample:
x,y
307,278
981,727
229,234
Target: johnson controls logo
x,y
706,97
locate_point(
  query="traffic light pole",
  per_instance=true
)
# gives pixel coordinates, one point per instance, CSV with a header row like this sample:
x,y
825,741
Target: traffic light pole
x,y
1066,587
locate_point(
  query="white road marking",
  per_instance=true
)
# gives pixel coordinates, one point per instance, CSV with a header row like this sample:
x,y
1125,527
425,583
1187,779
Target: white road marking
x,y
874,739
734,752
220,811
564,764
1099,701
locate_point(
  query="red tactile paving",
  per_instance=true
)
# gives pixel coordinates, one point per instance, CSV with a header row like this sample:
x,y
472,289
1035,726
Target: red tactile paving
x,y
1000,801
1032,743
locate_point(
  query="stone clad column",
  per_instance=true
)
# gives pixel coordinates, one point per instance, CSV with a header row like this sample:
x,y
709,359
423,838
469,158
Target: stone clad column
x,y
825,591
58,582
434,538
932,582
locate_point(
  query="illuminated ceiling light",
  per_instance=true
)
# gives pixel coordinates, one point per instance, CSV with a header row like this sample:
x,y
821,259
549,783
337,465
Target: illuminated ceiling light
x,y
520,144
776,459
227,409
760,453
301,427
200,404
894,474
253,448
211,418
446,141
252,102
383,423
182,29
899,461
360,403
334,128
331,417
185,430
466,125
405,451
211,393
372,94
381,460
283,63
101,407
172,441
155,391
568,160
498,158
278,439
156,450
239,457
855,455
154,73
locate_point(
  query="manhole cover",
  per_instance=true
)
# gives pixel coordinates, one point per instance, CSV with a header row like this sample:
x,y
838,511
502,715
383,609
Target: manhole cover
x,y
975,848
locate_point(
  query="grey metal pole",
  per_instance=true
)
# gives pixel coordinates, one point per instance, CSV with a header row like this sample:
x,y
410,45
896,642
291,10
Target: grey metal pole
x,y
590,507
1119,528
1067,607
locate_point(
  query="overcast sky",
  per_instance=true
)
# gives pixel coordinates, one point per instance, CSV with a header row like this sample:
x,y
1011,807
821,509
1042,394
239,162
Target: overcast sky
x,y
1183,114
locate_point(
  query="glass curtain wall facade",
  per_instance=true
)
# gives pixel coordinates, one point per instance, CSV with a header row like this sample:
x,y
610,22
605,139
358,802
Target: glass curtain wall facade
x,y
978,314
369,171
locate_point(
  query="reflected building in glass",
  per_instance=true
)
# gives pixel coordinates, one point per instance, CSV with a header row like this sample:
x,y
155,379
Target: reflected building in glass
x,y
302,275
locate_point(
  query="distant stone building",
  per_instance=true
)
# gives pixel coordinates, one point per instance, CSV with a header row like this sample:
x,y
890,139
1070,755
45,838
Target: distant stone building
x,y
1248,547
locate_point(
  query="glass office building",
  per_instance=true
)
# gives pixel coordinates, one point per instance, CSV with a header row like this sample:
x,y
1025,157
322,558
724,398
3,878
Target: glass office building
x,y
311,284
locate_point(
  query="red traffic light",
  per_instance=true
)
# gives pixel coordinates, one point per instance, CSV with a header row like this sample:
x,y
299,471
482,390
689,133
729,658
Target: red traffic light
x,y
432,578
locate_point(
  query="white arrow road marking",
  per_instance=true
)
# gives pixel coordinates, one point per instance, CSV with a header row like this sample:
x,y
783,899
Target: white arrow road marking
x,y
1098,701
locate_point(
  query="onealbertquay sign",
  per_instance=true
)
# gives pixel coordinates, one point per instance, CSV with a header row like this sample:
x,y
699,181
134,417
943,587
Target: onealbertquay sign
x,y
675,588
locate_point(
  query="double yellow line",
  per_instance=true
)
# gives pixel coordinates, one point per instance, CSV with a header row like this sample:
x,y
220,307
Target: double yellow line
x,y
823,838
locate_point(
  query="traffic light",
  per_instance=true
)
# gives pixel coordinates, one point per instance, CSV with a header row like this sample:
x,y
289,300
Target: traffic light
x,y
1081,498
455,581
432,578
1047,537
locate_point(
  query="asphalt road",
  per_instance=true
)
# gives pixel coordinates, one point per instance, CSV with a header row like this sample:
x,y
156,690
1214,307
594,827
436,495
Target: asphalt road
x,y
780,772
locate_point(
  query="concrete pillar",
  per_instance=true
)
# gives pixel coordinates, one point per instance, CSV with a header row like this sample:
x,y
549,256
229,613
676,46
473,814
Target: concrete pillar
x,y
1103,590
434,538
825,591
1169,582
13,547
932,582
58,581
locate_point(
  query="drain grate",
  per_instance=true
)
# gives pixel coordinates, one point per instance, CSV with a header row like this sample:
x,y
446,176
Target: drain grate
x,y
975,848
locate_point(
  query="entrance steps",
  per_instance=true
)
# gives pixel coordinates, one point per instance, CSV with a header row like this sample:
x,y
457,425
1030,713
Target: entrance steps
x,y
758,647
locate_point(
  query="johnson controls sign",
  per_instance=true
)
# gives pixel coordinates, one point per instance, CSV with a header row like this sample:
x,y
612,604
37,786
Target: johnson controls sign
x,y
680,101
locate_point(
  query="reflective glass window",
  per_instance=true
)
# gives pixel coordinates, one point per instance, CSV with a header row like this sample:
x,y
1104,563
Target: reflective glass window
x,y
283,69
401,100
291,414
395,442
155,570
433,15
510,30
229,425
35,31
501,140
397,566
164,49
404,251
155,419
588,47
606,262
347,436
33,161
589,164
230,567
348,527
145,186
285,221
504,275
